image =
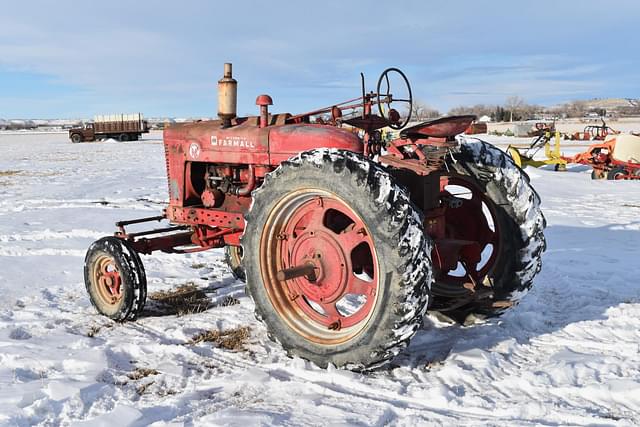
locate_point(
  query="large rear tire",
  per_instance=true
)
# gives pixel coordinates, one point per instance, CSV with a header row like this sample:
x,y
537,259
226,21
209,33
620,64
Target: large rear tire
x,y
344,218
508,217
115,279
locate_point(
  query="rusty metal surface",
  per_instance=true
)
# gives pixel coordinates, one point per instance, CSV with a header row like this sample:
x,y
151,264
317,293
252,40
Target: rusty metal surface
x,y
444,127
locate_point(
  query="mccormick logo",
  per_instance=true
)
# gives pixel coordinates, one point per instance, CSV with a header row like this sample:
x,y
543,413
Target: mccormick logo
x,y
232,141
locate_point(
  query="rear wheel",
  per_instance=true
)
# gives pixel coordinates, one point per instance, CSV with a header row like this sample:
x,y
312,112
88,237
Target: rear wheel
x,y
496,207
617,173
115,279
336,259
123,137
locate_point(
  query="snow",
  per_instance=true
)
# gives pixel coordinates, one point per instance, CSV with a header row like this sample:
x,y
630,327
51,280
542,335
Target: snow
x,y
568,354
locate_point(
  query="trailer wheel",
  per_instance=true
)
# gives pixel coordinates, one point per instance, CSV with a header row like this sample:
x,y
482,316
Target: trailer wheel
x,y
76,137
233,257
123,137
115,279
617,173
502,212
337,261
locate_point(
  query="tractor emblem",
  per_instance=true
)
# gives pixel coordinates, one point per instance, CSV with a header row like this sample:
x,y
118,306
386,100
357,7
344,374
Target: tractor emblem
x,y
194,150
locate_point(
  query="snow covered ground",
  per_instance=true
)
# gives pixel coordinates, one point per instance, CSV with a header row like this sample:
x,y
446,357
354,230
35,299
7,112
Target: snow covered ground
x,y
569,354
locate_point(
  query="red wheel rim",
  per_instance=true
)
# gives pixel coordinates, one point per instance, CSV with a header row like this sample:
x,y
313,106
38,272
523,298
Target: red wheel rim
x,y
474,220
107,280
316,227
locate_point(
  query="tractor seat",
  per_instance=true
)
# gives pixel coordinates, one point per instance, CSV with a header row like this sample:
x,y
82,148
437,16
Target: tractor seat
x,y
444,127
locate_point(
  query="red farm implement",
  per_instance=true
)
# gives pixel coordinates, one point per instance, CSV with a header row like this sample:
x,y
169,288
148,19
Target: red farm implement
x,y
618,157
344,239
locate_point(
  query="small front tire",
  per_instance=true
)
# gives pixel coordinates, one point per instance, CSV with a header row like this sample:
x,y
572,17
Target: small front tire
x,y
115,279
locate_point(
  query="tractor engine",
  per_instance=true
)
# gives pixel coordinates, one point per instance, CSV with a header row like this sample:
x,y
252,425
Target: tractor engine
x,y
217,163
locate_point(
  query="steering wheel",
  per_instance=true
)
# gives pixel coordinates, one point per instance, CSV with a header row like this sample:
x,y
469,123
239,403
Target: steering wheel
x,y
386,97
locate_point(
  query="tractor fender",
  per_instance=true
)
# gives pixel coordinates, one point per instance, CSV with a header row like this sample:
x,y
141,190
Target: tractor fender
x,y
288,140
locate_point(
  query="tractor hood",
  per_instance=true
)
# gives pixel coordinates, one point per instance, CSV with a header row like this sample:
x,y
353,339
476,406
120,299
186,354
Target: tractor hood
x,y
247,143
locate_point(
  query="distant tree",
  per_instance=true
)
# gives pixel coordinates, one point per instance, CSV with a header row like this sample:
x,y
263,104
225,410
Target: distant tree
x,y
478,110
422,111
514,104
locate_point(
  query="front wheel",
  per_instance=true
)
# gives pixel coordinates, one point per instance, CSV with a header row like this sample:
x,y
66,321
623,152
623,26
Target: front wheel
x,y
75,138
336,260
598,174
233,257
115,279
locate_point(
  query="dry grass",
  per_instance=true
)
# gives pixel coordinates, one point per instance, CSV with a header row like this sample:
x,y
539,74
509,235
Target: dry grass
x,y
232,339
143,388
140,373
95,329
198,265
9,173
227,301
186,299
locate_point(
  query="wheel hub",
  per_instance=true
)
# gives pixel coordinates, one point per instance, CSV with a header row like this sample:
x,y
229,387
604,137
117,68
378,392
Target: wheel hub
x,y
321,249
108,280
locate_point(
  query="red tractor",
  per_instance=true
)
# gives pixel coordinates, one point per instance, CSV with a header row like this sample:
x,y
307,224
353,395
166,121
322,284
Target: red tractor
x,y
344,239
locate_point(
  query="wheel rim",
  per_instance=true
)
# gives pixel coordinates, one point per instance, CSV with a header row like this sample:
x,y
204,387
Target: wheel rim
x,y
235,255
107,280
316,227
474,220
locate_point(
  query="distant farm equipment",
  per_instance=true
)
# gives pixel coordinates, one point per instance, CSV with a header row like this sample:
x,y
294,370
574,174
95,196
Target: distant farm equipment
x,y
524,157
594,133
618,157
123,127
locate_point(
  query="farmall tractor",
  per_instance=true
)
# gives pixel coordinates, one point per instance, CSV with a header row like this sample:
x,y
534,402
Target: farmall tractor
x,y
344,239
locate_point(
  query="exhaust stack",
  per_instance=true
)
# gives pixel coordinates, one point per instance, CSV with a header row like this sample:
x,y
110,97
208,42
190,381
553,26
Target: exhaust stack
x,y
227,96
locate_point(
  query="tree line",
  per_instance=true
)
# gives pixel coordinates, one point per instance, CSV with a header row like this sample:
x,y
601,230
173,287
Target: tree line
x,y
516,108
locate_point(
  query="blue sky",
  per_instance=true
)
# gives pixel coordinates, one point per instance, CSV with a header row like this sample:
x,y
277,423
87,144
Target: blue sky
x,y
67,59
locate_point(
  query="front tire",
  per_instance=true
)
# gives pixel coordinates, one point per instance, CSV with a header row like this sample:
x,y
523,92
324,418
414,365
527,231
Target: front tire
x,y
598,174
115,279
233,257
368,287
76,138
